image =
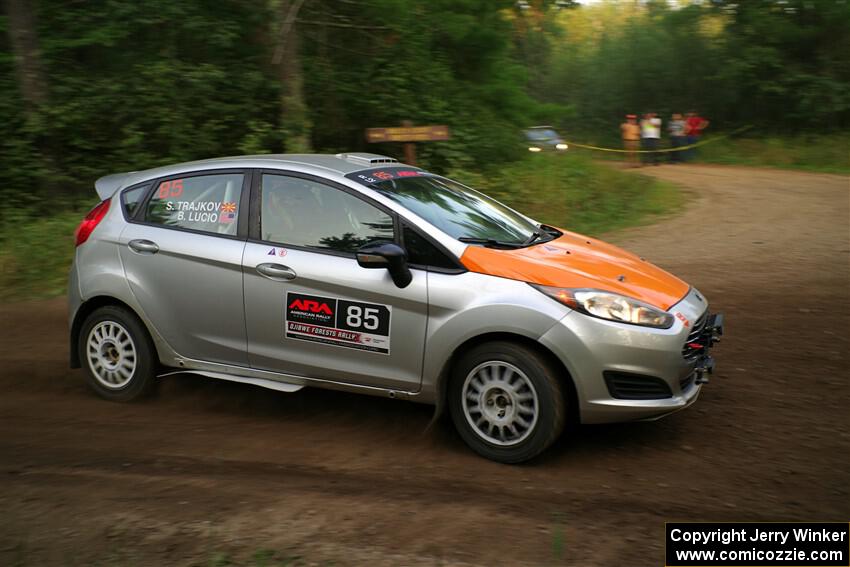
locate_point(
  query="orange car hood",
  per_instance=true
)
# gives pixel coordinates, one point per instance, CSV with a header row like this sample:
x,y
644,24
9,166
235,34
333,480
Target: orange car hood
x,y
577,261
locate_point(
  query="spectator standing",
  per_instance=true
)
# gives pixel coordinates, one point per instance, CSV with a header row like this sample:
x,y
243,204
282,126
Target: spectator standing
x,y
631,139
650,132
678,139
694,125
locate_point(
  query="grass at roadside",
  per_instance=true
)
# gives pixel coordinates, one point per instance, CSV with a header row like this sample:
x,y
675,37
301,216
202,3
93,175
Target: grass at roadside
x,y
564,190
570,191
36,252
827,154
824,154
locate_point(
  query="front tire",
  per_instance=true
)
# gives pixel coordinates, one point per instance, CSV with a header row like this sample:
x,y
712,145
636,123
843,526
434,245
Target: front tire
x,y
506,401
117,354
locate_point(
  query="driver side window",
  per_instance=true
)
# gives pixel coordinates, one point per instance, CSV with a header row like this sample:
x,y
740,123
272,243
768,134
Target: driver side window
x,y
300,212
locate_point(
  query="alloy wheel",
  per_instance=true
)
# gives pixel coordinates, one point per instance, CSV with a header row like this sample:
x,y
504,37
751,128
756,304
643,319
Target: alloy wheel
x,y
500,403
111,354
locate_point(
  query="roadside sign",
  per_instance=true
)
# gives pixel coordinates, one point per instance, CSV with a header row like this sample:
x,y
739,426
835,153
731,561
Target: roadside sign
x,y
407,134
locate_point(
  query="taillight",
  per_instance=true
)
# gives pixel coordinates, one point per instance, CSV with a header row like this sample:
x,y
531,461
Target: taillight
x,y
90,222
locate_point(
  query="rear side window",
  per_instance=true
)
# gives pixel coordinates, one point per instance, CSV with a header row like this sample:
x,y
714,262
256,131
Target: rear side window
x,y
207,203
132,198
420,251
300,212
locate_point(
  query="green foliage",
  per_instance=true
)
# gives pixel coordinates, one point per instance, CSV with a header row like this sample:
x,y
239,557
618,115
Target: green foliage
x,y
36,252
134,85
826,153
792,61
431,62
572,192
783,66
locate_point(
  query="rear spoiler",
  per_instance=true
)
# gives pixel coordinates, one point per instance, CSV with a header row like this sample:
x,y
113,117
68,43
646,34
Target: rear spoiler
x,y
108,185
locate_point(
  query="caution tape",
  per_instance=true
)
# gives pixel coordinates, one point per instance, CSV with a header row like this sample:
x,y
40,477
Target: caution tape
x,y
660,150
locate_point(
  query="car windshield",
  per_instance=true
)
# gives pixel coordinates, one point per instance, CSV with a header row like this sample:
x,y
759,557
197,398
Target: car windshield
x,y
542,134
457,210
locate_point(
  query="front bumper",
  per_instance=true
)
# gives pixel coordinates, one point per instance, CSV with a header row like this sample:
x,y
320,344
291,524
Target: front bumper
x,y
625,372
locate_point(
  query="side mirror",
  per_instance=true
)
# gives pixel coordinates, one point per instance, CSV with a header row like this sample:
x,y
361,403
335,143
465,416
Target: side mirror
x,y
386,255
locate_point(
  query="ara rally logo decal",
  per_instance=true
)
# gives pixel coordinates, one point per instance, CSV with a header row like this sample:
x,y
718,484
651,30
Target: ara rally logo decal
x,y
311,306
683,319
338,322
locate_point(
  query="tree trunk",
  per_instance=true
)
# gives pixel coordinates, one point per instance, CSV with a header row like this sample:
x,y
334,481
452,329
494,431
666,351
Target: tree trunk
x,y
27,55
294,120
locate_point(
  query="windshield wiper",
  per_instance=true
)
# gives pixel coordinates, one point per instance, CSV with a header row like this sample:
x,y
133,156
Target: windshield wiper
x,y
534,236
490,242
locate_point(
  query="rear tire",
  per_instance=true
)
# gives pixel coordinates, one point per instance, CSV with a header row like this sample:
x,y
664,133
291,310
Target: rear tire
x,y
117,354
506,401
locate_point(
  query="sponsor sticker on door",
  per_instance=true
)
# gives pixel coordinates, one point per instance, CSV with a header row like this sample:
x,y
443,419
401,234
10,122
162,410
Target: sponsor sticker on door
x,y
338,322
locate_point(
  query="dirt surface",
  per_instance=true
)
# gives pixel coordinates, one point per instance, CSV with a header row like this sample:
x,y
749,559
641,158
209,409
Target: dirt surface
x,y
212,472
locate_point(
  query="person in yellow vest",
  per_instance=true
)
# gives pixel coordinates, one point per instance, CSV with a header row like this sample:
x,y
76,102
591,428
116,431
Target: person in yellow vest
x,y
630,130
650,132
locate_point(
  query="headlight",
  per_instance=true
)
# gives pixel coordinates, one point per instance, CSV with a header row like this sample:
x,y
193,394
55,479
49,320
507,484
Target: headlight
x,y
561,146
534,149
611,306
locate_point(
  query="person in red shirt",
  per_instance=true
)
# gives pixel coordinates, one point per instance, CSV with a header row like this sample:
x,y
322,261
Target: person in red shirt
x,y
694,125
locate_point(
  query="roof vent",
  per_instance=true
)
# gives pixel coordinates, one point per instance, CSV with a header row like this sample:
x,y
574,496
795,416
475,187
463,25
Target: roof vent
x,y
366,159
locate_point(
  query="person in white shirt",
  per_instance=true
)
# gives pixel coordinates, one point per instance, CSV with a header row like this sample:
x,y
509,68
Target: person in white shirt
x,y
650,135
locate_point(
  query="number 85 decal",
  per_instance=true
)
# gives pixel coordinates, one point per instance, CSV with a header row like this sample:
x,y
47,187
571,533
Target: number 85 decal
x,y
171,189
359,317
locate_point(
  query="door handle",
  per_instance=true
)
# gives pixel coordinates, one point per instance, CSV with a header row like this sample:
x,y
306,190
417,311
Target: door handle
x,y
276,272
143,246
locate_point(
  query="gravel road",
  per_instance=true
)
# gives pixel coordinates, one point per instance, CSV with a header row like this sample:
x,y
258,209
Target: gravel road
x,y
209,472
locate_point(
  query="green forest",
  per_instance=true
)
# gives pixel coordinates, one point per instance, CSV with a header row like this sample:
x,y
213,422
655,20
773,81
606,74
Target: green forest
x,y
99,86
93,87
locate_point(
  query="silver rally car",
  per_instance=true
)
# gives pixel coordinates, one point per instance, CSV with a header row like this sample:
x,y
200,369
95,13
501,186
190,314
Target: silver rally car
x,y
358,273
